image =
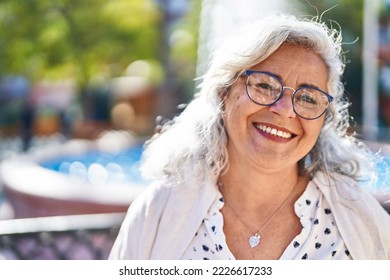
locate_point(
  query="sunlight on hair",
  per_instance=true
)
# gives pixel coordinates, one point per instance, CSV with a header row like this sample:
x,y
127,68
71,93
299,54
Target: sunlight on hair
x,y
224,19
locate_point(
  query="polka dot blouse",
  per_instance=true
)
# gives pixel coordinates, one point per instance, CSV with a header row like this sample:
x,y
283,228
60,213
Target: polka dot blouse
x,y
318,240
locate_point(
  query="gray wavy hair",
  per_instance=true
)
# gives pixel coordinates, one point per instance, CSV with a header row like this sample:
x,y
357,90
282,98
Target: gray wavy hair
x,y
194,143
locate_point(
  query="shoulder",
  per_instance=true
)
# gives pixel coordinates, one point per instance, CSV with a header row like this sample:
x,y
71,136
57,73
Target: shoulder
x,y
153,197
163,214
356,210
140,223
345,190
147,208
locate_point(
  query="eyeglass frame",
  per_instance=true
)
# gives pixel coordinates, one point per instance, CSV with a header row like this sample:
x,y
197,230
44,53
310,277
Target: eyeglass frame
x,y
247,73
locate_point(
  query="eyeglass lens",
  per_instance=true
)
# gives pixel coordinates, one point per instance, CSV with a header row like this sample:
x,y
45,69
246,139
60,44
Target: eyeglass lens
x,y
265,89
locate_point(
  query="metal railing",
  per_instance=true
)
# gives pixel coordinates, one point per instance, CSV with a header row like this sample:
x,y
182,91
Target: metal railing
x,y
76,237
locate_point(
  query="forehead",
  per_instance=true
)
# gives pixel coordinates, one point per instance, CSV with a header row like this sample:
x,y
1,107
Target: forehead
x,y
294,63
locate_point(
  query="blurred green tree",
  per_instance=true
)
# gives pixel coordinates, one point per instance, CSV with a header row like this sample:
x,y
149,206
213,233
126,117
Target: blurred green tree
x,y
75,39
80,40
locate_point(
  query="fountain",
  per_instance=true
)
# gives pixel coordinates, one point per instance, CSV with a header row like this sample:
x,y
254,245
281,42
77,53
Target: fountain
x,y
75,177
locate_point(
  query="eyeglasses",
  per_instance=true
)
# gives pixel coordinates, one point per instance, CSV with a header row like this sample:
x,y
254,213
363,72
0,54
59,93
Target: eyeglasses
x,y
266,89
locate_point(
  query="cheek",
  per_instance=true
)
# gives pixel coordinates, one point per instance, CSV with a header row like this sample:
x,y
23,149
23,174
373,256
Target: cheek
x,y
234,114
313,130
233,106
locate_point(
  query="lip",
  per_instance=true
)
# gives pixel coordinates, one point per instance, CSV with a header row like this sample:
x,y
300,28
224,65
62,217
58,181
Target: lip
x,y
279,134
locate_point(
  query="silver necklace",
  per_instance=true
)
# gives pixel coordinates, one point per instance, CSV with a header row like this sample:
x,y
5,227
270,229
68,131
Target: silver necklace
x,y
254,239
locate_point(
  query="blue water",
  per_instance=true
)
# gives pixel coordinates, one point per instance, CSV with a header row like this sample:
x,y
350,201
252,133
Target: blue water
x,y
100,168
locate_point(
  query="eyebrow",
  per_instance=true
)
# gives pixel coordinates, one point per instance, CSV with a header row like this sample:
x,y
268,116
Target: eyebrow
x,y
301,85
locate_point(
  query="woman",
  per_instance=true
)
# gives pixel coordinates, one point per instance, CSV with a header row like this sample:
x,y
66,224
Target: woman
x,y
259,165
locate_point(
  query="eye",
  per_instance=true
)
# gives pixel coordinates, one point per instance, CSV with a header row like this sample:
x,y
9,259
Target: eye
x,y
264,86
307,98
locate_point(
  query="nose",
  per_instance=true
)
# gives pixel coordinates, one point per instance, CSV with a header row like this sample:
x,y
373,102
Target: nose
x,y
284,106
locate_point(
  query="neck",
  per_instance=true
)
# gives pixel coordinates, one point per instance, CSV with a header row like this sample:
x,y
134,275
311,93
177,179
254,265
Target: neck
x,y
257,189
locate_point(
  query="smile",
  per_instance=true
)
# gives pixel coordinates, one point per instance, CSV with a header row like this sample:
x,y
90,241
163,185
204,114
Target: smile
x,y
274,132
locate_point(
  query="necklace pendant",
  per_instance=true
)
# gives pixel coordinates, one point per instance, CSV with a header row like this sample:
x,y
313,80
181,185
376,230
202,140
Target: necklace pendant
x,y
254,240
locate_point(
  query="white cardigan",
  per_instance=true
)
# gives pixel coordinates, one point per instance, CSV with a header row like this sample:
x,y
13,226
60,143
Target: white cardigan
x,y
162,221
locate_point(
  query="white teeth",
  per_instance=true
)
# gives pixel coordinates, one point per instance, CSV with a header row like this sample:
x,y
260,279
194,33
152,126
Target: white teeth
x,y
274,131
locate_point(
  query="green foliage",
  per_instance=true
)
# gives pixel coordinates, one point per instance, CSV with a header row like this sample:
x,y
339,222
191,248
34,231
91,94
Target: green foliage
x,y
76,38
348,14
